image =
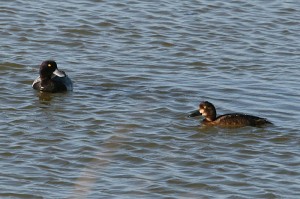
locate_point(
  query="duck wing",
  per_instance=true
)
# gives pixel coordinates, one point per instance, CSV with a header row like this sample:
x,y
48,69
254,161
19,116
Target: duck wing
x,y
35,82
62,83
239,120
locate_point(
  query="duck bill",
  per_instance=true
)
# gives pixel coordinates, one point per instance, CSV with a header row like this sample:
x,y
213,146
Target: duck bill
x,y
195,113
59,73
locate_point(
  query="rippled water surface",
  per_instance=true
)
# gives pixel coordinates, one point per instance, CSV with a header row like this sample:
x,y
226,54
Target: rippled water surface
x,y
139,67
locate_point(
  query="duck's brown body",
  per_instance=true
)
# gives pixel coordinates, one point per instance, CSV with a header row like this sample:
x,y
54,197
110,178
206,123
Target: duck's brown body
x,y
232,120
235,120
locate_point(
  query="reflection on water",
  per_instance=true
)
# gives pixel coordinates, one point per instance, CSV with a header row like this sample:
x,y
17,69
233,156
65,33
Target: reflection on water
x,y
138,69
45,97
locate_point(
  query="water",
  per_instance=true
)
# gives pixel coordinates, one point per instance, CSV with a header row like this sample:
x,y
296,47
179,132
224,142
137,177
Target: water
x,y
139,67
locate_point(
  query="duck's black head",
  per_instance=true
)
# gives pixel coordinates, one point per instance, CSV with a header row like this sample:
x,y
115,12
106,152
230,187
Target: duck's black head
x,y
206,109
48,68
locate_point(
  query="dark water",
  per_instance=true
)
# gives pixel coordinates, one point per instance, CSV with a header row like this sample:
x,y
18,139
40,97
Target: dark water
x,y
138,68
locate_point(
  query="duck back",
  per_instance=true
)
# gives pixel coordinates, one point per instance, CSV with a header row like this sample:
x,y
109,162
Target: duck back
x,y
239,120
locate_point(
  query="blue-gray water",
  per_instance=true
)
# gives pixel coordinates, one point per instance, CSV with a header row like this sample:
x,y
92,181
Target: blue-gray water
x,y
138,68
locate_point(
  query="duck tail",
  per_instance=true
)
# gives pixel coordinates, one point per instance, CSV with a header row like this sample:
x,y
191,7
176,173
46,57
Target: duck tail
x,y
263,121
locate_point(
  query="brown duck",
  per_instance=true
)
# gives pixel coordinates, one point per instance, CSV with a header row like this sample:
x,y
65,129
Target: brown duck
x,y
231,120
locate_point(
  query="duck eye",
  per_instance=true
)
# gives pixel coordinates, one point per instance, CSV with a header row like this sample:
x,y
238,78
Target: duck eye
x,y
49,65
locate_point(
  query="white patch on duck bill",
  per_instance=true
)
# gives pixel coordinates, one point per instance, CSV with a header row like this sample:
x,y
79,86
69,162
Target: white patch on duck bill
x,y
59,73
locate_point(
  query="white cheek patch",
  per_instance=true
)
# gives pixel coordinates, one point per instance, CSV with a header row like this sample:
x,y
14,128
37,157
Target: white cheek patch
x,y
203,113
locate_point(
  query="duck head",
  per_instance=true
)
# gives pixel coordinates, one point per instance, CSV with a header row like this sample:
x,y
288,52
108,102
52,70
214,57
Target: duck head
x,y
207,110
48,68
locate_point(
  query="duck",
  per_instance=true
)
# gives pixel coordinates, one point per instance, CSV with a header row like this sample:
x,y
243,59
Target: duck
x,y
231,120
51,79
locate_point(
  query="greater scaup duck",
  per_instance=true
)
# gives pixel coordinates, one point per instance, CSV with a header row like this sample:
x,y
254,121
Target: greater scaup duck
x,y
232,120
51,79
